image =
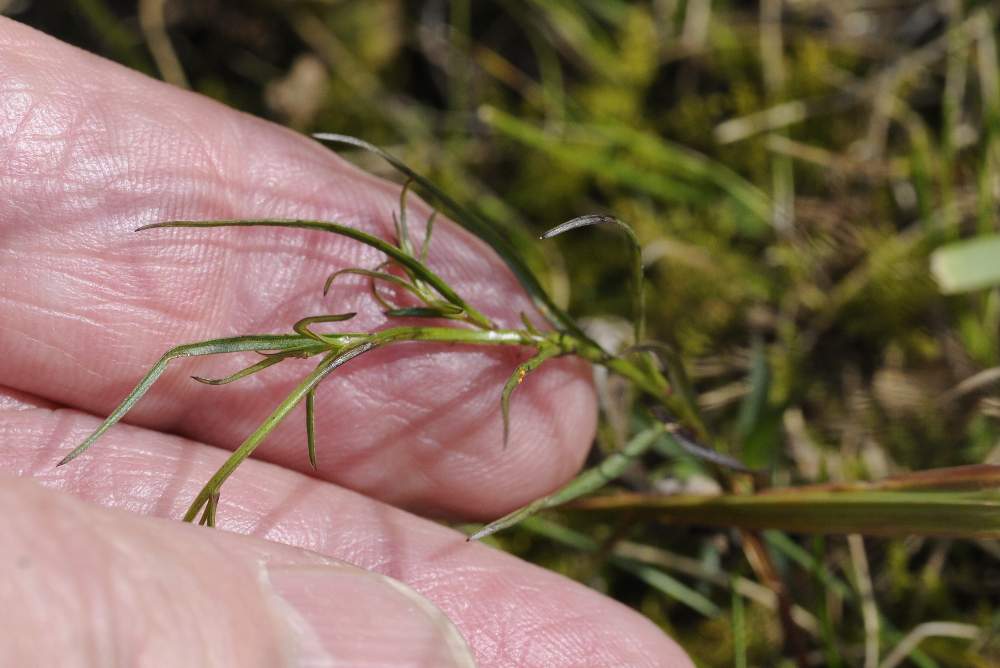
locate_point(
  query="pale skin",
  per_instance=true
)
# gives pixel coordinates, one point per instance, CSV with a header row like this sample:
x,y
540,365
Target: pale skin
x,y
88,152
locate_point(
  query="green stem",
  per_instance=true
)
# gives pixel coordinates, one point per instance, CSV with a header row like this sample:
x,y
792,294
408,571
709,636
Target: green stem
x,y
353,345
330,362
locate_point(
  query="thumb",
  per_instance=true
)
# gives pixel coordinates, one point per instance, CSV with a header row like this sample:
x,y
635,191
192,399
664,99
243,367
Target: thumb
x,y
86,586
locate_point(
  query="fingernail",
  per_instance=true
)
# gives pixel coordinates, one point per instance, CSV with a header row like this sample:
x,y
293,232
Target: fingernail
x,y
340,615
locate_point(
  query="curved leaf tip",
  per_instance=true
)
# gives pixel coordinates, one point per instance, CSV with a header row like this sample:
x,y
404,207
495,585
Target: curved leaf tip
x,y
584,221
636,249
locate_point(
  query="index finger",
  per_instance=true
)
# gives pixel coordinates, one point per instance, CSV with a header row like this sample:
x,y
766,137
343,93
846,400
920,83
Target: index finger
x,y
92,150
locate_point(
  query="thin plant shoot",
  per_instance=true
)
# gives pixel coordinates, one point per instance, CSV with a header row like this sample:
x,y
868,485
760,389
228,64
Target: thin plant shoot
x,y
404,268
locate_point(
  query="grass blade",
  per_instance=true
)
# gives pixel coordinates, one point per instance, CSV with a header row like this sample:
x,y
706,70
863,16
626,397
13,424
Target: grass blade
x,y
960,502
666,584
739,631
669,586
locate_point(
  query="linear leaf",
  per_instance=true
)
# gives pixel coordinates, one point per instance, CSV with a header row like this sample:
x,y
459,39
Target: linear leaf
x,y
589,481
210,347
375,275
515,380
657,579
423,312
331,361
270,360
311,426
480,227
638,303
429,230
402,229
302,326
418,268
671,362
961,502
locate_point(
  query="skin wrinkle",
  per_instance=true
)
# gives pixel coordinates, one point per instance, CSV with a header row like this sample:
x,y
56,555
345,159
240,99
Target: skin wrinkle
x,y
264,499
361,465
169,624
486,592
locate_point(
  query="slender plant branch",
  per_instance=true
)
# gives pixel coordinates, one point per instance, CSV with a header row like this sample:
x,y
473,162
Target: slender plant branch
x,y
404,268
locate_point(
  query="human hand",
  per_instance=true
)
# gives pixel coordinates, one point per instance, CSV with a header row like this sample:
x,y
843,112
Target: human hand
x,y
90,151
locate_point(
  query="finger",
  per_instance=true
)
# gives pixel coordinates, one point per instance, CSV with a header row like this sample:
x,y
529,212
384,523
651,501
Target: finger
x,y
104,587
90,150
511,613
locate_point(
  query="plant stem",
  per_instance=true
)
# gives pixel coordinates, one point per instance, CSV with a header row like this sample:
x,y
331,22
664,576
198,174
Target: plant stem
x,y
328,364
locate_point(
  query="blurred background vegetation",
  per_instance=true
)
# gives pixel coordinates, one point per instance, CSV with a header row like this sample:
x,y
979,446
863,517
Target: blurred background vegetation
x,y
789,166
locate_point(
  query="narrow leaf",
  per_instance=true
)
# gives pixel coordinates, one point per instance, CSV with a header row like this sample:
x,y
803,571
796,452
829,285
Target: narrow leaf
x,y
754,429
961,502
375,275
666,584
669,586
333,360
402,229
477,225
423,312
311,426
702,452
210,347
589,481
302,326
426,245
303,352
638,303
672,363
528,325
270,360
515,380
419,270
739,631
